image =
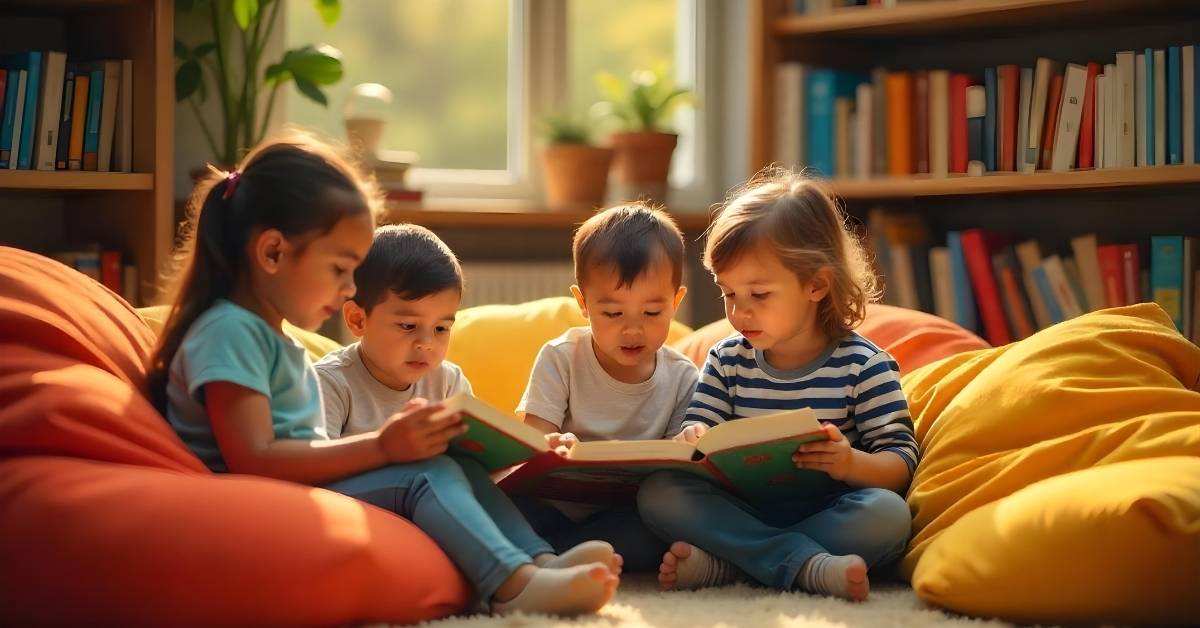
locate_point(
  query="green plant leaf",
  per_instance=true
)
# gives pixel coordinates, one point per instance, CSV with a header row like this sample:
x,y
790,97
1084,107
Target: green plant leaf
x,y
277,74
311,91
245,12
318,65
187,80
330,11
610,86
181,51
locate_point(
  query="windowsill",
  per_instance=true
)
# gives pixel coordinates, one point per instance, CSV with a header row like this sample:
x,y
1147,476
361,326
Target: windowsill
x,y
510,214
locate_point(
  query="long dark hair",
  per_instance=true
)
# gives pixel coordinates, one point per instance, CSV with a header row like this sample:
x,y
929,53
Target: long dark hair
x,y
281,184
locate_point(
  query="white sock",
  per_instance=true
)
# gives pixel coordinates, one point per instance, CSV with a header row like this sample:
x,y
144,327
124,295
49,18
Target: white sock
x,y
568,591
701,569
841,576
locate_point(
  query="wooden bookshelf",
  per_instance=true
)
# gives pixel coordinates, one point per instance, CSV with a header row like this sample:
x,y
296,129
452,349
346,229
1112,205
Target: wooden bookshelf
x,y
74,180
944,16
1014,183
129,212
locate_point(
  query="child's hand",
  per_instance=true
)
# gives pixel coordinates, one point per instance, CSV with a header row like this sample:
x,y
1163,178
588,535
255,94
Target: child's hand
x,y
691,433
419,432
561,442
832,456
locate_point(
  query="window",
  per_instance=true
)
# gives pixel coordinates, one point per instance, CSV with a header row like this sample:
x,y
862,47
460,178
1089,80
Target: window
x,y
472,78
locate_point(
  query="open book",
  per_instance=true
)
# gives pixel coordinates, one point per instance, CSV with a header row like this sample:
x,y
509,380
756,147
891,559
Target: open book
x,y
750,456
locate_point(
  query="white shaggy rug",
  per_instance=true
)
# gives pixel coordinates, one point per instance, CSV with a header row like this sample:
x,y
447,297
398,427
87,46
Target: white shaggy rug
x,y
639,603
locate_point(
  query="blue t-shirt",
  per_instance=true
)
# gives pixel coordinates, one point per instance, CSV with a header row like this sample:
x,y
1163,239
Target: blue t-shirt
x,y
229,343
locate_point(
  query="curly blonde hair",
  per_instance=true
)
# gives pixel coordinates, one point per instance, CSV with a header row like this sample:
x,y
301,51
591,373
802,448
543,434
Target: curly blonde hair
x,y
800,220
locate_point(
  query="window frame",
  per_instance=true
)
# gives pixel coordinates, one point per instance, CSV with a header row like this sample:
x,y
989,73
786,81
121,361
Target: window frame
x,y
537,67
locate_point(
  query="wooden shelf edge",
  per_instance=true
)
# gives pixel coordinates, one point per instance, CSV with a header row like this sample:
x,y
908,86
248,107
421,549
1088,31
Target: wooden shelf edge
x,y
945,14
74,180
1011,183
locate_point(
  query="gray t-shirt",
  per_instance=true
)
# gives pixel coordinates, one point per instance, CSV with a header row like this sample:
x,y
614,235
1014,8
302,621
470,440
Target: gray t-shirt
x,y
355,402
570,389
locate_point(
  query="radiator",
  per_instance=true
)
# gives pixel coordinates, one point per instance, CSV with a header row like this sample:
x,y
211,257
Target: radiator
x,y
518,282
515,282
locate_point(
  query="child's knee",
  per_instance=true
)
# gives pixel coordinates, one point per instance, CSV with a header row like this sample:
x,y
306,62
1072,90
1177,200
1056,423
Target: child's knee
x,y
889,520
664,495
443,468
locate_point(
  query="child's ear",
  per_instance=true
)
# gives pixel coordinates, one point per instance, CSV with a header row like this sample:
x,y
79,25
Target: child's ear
x,y
269,248
356,318
820,284
679,294
578,294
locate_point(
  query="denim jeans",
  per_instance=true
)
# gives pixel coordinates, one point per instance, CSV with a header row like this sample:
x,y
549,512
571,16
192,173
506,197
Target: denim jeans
x,y
772,541
457,504
621,526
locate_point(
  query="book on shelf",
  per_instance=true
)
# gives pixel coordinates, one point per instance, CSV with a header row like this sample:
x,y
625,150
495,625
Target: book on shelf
x,y
1024,98
789,114
976,112
978,248
1086,249
1140,101
1012,293
1126,106
1050,124
750,456
1066,135
1187,100
1029,255
990,88
1174,107
964,294
1131,271
1160,107
58,115
1172,266
1043,73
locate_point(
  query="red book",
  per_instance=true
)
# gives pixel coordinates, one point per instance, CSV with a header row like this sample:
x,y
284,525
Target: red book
x,y
921,121
1087,127
978,248
1131,270
1010,81
958,122
1053,105
1111,274
111,270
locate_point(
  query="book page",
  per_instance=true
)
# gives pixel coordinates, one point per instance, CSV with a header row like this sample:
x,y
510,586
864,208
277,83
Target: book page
x,y
632,450
759,429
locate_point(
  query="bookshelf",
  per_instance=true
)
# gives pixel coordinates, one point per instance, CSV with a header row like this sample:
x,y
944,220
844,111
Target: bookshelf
x,y
129,212
1053,209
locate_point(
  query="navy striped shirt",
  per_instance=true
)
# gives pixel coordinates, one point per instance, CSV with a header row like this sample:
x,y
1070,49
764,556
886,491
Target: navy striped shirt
x,y
854,385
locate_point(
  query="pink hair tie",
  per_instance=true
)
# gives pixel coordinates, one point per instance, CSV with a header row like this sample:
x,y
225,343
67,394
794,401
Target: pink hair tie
x,y
231,179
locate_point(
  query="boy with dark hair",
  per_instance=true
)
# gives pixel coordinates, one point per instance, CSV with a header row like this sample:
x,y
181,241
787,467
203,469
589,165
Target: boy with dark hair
x,y
409,288
614,379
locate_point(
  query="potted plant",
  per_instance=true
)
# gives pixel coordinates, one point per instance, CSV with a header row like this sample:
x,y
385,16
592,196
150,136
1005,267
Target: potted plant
x,y
576,171
233,58
644,145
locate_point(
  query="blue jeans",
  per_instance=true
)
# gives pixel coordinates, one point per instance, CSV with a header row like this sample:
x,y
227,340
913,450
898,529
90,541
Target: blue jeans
x,y
621,526
772,541
457,504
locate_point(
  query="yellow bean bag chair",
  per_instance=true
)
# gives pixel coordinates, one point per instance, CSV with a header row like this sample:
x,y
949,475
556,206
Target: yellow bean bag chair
x,y
1060,478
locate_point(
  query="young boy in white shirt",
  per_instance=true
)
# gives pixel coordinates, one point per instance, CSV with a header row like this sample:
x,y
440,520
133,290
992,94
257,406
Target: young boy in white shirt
x,y
614,379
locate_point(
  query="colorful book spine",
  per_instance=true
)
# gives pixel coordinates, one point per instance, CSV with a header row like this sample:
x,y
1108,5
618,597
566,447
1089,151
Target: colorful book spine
x,y
18,118
31,62
899,123
820,129
1167,276
964,295
978,246
1053,107
91,136
10,111
958,122
1111,274
1008,100
989,119
976,111
78,120
1087,128
1174,109
1150,108
62,153
1053,310
1131,271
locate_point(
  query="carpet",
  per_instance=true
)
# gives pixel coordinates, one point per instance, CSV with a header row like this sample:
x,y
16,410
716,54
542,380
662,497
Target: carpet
x,y
639,603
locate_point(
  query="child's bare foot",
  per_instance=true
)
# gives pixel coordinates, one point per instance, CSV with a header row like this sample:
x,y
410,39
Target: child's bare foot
x,y
841,576
575,590
686,567
582,554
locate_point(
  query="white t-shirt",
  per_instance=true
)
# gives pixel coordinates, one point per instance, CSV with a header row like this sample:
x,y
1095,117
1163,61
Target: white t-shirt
x,y
356,402
570,389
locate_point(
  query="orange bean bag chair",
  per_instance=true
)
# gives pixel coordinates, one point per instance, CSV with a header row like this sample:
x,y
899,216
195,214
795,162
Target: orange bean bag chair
x,y
106,518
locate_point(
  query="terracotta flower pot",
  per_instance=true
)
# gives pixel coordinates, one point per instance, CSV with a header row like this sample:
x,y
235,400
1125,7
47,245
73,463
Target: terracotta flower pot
x,y
576,175
641,164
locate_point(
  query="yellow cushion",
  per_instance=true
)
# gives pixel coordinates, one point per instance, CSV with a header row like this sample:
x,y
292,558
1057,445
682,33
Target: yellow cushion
x,y
1108,387
1116,543
496,344
315,344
